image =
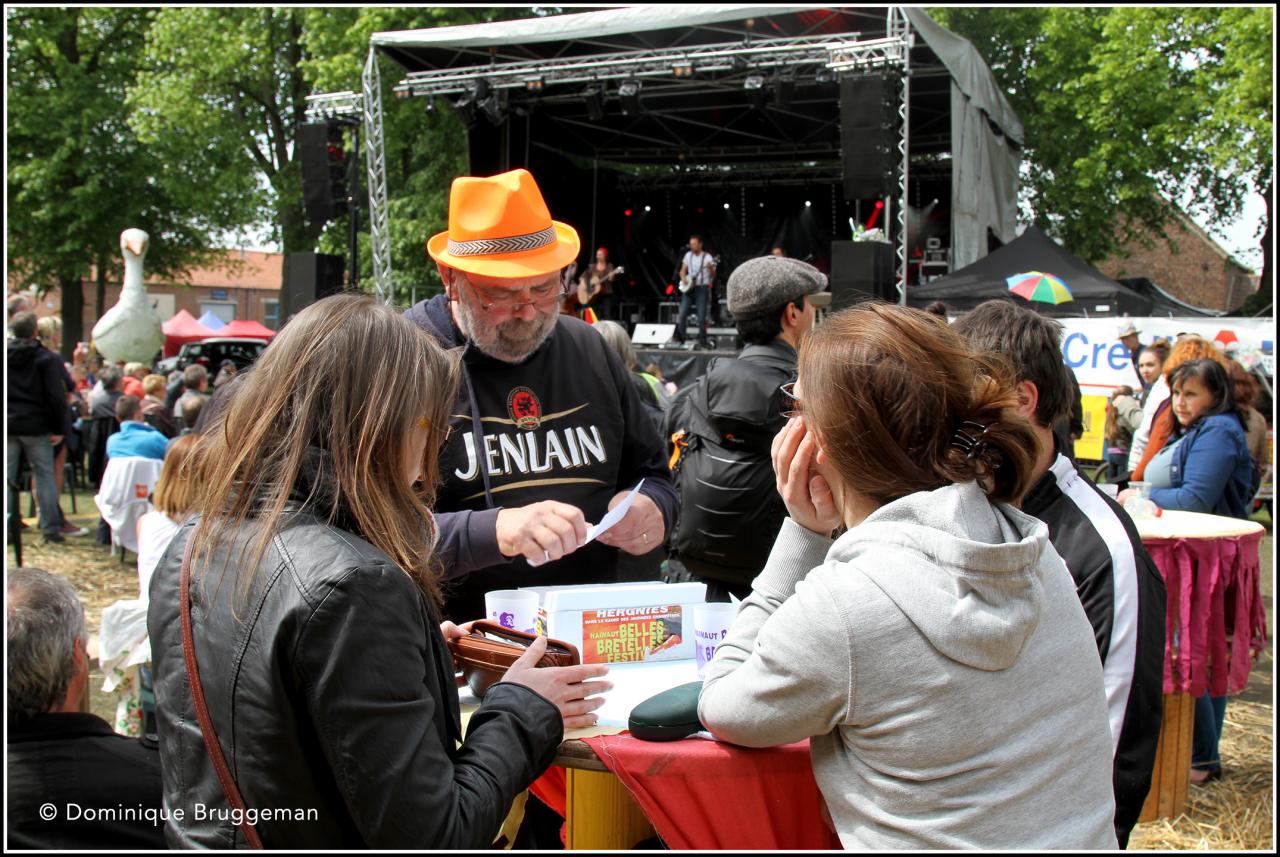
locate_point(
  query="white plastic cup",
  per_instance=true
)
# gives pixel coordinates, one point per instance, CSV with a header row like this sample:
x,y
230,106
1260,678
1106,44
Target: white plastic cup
x,y
1143,489
512,608
710,625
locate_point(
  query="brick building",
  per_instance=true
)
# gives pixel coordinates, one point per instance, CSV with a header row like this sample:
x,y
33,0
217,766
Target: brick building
x,y
1189,264
245,285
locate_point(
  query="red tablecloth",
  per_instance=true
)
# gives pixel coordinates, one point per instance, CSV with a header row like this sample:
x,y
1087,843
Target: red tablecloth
x,y
1214,591
701,794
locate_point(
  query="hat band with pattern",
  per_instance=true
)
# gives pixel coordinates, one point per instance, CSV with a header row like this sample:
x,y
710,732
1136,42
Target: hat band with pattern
x,y
495,246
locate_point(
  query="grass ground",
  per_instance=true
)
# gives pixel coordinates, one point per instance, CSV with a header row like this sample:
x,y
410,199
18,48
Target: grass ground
x,y
1235,813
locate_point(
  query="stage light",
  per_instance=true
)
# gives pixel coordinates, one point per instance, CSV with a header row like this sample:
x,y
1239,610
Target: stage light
x,y
808,203
682,69
431,104
626,213
533,84
879,203
783,91
594,97
824,76
494,107
647,208
671,289
465,109
726,206
629,94
479,89
754,87
739,64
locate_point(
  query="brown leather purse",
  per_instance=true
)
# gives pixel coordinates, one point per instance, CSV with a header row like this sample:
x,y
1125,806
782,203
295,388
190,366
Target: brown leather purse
x,y
483,661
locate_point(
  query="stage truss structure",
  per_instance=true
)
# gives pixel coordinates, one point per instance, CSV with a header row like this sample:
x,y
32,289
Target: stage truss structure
x,y
842,53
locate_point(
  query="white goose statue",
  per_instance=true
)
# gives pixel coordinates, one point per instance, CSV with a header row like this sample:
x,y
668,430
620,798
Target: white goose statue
x,y
130,330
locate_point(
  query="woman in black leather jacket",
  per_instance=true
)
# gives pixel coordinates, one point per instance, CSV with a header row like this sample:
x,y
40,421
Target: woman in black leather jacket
x,y
315,613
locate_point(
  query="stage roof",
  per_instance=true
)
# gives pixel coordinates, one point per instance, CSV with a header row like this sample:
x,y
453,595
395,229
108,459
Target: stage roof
x,y
707,117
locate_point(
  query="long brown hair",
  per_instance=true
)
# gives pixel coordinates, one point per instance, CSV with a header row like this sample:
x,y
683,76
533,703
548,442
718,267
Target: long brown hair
x,y
345,383
886,388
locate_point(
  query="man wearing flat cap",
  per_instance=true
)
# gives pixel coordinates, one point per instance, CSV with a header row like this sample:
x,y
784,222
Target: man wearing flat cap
x,y
548,431
724,424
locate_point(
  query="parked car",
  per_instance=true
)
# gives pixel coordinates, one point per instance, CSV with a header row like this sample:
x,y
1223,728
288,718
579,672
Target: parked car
x,y
210,353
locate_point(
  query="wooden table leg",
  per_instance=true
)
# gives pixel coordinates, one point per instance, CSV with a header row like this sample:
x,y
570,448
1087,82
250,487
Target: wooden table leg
x,y
600,813
1172,773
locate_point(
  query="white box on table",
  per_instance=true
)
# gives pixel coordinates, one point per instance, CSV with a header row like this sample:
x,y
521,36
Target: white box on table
x,y
622,622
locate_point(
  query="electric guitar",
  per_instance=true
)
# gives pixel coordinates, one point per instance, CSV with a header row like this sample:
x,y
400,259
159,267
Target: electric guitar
x,y
586,293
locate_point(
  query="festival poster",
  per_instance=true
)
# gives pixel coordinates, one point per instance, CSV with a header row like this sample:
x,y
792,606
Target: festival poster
x,y
625,635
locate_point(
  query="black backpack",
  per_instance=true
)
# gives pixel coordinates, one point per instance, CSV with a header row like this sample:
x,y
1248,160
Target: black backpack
x,y
730,511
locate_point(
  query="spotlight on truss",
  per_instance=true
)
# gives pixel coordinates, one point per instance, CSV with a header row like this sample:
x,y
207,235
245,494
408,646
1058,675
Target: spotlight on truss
x,y
465,109
629,94
593,96
754,87
783,92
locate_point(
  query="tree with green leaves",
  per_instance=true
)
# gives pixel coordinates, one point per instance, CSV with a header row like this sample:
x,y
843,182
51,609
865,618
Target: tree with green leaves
x,y
425,150
1126,109
221,94
78,174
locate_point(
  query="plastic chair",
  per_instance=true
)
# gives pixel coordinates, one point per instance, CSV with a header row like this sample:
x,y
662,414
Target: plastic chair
x,y
125,496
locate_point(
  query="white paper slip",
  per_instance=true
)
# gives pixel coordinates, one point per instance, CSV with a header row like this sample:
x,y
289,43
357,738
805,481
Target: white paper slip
x,y
616,514
634,683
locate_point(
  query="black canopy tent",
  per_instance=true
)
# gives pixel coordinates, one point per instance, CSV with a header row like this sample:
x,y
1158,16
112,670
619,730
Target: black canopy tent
x,y
1095,294
698,150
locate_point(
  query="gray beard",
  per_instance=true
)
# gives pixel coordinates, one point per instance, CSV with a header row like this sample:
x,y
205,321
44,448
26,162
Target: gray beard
x,y
490,339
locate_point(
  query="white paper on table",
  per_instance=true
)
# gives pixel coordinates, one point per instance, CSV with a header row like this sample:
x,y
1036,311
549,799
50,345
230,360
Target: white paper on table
x,y
634,683
616,514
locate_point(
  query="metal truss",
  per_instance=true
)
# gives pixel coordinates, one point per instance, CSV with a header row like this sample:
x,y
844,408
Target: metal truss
x,y
376,170
665,62
334,105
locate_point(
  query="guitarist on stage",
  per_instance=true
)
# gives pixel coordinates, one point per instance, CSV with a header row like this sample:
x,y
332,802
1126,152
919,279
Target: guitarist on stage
x,y
697,273
595,286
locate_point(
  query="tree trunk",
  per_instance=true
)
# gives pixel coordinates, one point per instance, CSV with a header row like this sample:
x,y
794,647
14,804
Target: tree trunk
x,y
72,292
1264,279
100,297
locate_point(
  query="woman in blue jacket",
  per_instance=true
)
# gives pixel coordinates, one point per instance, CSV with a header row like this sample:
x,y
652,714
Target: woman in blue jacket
x,y
1205,467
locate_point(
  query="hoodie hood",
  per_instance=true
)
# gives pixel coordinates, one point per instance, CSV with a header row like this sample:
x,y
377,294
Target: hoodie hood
x,y
433,316
21,353
965,571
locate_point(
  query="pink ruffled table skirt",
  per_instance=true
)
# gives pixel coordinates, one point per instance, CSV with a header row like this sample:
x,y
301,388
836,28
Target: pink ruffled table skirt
x,y
1216,624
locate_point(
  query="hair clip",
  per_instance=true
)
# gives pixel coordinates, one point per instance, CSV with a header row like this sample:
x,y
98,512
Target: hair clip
x,y
971,439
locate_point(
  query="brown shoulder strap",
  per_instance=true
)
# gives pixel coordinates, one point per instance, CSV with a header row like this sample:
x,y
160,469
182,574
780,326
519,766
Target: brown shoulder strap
x,y
211,743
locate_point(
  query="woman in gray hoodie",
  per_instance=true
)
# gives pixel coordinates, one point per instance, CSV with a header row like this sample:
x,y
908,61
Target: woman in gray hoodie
x,y
935,653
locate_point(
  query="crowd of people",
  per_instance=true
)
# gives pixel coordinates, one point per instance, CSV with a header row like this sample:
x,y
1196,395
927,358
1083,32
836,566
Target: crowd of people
x,y
892,488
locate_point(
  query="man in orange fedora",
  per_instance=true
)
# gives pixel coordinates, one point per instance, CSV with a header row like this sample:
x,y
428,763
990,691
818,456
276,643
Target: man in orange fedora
x,y
549,432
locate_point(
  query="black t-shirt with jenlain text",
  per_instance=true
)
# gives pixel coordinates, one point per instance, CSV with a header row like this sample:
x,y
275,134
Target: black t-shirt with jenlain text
x,y
565,425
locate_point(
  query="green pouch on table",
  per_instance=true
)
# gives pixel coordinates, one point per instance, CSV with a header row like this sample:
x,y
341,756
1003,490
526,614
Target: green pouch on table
x,y
668,716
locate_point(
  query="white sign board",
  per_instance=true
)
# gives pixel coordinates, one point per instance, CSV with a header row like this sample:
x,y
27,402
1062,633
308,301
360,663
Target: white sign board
x,y
1101,363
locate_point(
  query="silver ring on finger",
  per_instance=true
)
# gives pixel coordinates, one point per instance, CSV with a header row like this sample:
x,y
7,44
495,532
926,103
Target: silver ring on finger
x,y
645,536
546,556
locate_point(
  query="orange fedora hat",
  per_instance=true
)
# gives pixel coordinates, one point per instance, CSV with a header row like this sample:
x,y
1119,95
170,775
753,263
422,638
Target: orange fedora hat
x,y
500,227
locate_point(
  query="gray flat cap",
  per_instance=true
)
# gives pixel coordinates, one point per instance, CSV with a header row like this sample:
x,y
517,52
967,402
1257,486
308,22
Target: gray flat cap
x,y
763,285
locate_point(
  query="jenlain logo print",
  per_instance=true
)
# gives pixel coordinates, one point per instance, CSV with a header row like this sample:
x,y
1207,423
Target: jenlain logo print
x,y
537,447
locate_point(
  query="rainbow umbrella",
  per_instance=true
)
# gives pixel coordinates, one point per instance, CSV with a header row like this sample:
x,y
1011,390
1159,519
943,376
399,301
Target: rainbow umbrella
x,y
1037,286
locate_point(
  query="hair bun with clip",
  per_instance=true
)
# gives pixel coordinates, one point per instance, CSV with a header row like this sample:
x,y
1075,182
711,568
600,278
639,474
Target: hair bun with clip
x,y
971,439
